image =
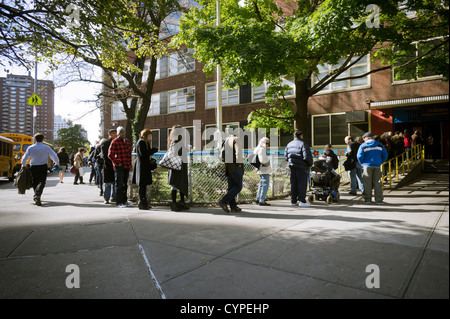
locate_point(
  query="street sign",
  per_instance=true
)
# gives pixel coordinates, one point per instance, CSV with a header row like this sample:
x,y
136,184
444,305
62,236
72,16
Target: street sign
x,y
34,100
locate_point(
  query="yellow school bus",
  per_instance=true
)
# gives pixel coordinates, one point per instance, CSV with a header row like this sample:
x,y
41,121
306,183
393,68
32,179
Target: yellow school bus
x,y
21,143
6,158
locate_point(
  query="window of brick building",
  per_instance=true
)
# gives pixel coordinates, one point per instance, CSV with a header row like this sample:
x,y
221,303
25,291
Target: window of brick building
x,y
229,96
361,67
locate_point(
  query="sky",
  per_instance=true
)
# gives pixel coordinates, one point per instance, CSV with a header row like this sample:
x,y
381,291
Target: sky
x,y
69,99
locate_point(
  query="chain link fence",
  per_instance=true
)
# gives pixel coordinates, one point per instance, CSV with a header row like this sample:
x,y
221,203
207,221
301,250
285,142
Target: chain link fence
x,y
208,182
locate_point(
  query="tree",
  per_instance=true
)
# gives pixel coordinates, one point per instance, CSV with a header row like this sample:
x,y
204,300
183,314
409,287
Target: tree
x,y
72,138
116,37
261,40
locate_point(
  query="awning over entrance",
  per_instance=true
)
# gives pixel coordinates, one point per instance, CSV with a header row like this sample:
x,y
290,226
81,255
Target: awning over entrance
x,y
411,101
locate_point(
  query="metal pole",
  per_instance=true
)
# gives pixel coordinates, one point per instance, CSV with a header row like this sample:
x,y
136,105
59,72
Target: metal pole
x,y
35,92
219,81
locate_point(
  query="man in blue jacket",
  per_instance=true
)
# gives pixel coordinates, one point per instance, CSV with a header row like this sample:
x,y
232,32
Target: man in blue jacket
x,y
371,155
299,157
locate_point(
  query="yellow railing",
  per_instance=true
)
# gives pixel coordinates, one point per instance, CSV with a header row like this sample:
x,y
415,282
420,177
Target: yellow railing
x,y
407,160
398,165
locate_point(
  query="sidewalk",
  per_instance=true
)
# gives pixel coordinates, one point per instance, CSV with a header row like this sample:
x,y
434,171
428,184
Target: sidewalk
x,y
271,252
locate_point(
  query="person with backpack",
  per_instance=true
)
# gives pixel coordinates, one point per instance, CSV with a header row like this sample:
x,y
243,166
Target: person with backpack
x,y
233,156
299,157
264,171
353,166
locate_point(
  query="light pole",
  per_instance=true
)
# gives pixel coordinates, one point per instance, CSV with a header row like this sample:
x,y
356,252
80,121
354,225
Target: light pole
x,y
35,92
219,81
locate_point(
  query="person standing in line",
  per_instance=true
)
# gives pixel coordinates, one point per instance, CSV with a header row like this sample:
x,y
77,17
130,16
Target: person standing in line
x,y
39,154
98,166
63,162
234,170
120,155
356,172
91,163
407,141
178,179
371,155
299,157
264,171
142,174
429,146
78,163
109,185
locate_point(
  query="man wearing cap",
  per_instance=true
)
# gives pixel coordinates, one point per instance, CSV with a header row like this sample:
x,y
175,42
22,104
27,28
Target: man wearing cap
x,y
120,155
371,155
109,187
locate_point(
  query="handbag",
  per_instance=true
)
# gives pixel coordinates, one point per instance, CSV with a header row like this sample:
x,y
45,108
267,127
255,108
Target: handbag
x,y
349,164
170,160
74,170
253,159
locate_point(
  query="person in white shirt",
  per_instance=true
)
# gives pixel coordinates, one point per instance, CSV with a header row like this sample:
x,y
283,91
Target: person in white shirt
x,y
39,154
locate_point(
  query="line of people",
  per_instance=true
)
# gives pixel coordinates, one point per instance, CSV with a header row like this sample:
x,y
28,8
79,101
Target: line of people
x,y
113,164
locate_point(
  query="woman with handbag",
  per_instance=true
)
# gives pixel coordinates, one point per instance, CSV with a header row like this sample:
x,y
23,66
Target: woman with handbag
x,y
142,173
178,179
78,162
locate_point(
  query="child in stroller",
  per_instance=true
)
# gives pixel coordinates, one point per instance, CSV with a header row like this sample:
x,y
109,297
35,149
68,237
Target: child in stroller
x,y
324,181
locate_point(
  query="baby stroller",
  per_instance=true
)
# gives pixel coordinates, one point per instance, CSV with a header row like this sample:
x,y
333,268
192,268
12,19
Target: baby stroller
x,y
323,184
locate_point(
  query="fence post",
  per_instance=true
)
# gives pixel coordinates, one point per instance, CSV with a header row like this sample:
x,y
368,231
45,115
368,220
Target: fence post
x,y
396,167
390,174
191,197
422,155
403,162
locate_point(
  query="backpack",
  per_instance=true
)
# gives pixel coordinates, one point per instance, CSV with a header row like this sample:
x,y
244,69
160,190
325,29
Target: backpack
x,y
223,148
253,159
222,151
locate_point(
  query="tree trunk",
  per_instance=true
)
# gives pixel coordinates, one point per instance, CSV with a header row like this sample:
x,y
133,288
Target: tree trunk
x,y
142,111
301,102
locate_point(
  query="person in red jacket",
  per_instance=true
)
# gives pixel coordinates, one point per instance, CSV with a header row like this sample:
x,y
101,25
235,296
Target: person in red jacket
x,y
120,155
407,140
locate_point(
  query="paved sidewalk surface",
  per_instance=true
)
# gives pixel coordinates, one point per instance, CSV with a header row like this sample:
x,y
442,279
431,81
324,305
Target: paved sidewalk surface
x,y
264,252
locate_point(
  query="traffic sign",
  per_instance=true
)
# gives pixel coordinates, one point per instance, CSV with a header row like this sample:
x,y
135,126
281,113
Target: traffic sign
x,y
34,100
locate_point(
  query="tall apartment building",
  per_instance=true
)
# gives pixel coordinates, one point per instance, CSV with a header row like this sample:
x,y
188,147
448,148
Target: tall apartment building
x,y
16,116
59,123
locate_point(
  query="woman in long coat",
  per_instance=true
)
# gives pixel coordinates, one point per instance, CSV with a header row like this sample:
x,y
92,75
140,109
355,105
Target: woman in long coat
x,y
142,174
178,179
